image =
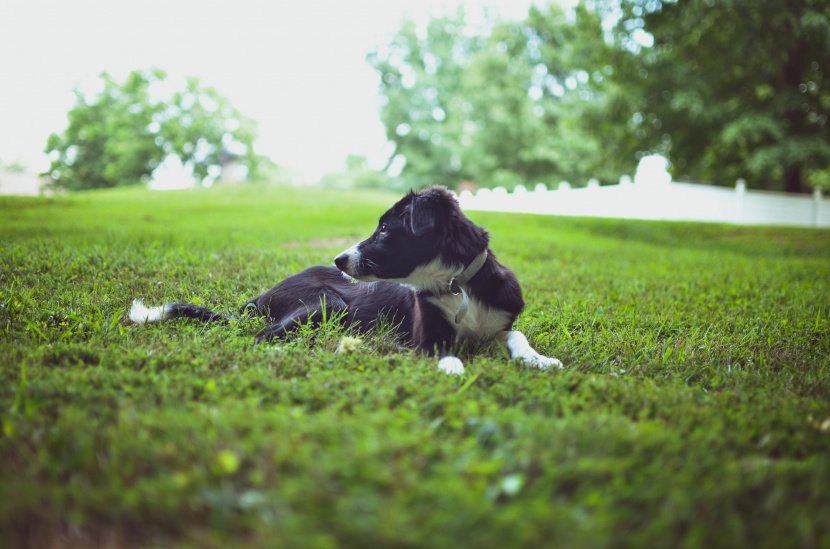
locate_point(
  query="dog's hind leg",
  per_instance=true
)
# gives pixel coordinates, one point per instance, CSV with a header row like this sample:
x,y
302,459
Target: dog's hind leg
x,y
289,324
326,308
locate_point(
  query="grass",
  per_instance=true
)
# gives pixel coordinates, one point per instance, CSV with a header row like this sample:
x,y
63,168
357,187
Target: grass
x,y
694,409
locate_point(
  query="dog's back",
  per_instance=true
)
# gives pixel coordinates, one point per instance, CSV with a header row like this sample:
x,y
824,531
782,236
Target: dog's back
x,y
324,291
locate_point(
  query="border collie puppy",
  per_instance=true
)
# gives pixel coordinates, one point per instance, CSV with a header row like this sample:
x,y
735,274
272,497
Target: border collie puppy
x,y
427,270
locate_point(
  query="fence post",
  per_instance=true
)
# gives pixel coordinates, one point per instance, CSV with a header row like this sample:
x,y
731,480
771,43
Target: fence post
x,y
740,199
817,204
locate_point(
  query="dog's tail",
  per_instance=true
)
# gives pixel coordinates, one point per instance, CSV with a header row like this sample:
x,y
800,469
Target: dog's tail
x,y
141,314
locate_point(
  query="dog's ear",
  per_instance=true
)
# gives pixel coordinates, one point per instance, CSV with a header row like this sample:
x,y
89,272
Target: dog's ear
x,y
423,215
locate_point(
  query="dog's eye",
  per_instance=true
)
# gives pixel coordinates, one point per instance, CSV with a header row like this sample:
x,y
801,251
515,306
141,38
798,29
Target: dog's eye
x,y
383,228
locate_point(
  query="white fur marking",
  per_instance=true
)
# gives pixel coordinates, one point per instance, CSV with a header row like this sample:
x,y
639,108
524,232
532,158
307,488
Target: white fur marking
x,y
140,314
520,348
354,259
434,277
479,325
451,365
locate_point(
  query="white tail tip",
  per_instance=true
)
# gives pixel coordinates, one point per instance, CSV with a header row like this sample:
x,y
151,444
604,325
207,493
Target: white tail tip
x,y
140,314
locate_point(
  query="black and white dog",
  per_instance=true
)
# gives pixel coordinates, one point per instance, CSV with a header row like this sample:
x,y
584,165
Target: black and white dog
x,y
427,270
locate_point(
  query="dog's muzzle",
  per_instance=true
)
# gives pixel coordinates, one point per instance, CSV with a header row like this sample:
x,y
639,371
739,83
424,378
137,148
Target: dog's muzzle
x,y
349,261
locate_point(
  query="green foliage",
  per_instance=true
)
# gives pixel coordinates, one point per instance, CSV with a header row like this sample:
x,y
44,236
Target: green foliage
x,y
120,135
200,126
694,409
109,141
819,179
495,104
736,89
725,89
15,166
358,175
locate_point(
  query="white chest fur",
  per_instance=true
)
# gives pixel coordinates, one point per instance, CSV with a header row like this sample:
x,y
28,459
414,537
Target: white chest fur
x,y
479,325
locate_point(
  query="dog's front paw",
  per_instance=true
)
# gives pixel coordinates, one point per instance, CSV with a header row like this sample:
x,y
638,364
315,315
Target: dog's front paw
x,y
540,361
451,366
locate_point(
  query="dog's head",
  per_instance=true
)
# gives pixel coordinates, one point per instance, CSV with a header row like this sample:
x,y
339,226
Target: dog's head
x,y
423,237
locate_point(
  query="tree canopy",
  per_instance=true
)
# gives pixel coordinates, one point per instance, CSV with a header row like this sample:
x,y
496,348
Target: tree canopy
x,y
738,86
121,134
485,103
725,89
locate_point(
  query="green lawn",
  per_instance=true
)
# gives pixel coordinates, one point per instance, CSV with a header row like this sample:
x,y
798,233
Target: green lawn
x,y
693,411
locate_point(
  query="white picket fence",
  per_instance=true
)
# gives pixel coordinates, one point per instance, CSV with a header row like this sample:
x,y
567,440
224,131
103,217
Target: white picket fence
x,y
658,200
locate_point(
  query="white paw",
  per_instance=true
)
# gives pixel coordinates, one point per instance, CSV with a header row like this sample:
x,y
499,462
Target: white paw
x,y
451,365
540,361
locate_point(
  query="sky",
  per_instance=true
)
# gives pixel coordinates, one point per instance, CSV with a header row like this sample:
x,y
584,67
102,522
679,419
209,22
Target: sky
x,y
297,68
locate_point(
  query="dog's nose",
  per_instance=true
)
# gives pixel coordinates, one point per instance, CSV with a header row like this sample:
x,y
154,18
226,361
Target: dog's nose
x,y
341,261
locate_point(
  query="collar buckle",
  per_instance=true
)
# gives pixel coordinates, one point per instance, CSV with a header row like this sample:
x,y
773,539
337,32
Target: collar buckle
x,y
454,287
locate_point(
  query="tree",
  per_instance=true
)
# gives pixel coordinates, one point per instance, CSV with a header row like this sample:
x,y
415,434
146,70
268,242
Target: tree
x,y
498,103
359,175
109,140
118,136
586,112
733,88
200,125
420,80
726,89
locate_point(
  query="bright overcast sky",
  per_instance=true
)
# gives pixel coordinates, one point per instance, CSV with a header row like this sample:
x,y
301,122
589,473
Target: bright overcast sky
x,y
297,68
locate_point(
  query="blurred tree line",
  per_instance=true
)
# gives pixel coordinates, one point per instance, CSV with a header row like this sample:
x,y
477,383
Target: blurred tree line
x,y
723,88
119,135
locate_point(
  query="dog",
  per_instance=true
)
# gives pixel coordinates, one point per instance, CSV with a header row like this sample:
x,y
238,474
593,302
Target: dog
x,y
427,270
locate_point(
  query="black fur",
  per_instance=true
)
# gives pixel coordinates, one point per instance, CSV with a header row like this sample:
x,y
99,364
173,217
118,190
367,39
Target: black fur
x,y
188,310
303,297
